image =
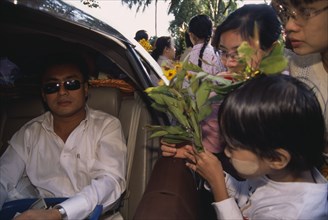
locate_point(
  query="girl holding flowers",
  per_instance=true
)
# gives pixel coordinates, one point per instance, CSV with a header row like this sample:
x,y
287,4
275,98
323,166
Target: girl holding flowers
x,y
273,144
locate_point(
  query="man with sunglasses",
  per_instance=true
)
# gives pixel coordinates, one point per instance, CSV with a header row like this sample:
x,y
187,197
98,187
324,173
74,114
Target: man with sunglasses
x,y
306,27
70,151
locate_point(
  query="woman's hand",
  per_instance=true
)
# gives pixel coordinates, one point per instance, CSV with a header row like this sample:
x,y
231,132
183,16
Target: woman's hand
x,y
171,150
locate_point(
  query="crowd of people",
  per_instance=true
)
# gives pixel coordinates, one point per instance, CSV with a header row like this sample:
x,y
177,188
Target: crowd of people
x,y
271,151
273,129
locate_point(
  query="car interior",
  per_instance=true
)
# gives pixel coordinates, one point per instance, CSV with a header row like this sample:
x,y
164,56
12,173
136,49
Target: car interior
x,y
110,90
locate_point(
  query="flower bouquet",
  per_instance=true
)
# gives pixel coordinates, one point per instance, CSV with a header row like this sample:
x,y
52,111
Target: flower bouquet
x,y
146,45
187,97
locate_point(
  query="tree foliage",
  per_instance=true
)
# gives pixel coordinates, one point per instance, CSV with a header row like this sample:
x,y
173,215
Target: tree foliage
x,y
183,11
139,3
91,3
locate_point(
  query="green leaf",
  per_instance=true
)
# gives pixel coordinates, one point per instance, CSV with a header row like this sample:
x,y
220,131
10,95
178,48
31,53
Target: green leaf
x,y
160,89
191,67
174,129
201,75
245,50
194,124
158,134
277,49
158,107
193,85
204,112
202,93
178,79
218,80
174,141
273,64
225,89
157,98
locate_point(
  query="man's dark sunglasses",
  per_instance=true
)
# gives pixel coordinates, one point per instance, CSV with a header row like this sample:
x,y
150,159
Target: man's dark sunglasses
x,y
53,87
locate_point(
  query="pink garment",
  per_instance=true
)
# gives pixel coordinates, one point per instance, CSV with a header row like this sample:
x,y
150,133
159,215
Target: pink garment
x,y
210,131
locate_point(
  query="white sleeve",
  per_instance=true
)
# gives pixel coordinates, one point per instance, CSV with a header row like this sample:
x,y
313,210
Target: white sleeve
x,y
227,209
11,169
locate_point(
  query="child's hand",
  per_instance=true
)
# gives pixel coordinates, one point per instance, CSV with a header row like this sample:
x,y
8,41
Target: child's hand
x,y
210,168
170,150
206,164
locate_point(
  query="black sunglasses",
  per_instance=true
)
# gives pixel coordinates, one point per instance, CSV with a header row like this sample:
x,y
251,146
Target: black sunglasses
x,y
53,87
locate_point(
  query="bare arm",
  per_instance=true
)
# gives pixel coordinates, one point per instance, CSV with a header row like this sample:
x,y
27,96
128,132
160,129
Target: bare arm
x,y
40,214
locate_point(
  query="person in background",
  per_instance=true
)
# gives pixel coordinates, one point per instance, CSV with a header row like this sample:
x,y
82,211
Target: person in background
x,y
275,146
141,34
69,151
164,52
306,27
188,47
237,27
202,53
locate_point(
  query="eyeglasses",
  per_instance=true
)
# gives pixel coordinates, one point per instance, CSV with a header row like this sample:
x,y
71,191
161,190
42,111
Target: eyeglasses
x,y
53,87
300,14
225,55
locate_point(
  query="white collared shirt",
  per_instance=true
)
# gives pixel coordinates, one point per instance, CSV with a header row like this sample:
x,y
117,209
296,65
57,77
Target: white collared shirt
x,y
89,167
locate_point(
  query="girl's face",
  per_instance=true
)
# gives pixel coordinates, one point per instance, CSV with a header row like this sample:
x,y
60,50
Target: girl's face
x,y
247,164
169,52
228,45
307,27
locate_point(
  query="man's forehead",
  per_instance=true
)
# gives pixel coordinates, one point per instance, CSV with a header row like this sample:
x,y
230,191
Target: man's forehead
x,y
62,71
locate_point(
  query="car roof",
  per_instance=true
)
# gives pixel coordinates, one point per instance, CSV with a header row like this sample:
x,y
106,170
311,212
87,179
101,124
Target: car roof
x,y
65,17
69,13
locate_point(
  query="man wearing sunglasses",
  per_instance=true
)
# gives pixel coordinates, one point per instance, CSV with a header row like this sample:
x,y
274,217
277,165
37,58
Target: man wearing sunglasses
x,y
306,27
70,151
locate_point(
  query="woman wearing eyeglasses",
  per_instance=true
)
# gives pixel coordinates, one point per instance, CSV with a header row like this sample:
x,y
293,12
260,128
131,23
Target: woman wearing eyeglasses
x,y
306,27
239,26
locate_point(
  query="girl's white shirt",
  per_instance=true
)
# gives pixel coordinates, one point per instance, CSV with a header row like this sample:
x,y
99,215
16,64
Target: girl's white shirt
x,y
262,198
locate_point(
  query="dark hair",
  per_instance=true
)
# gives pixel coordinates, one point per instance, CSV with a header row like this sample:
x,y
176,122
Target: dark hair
x,y
201,26
243,20
187,40
275,111
141,34
160,45
61,58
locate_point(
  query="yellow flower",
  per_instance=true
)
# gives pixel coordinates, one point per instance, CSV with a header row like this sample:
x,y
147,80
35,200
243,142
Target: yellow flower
x,y
170,73
145,44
